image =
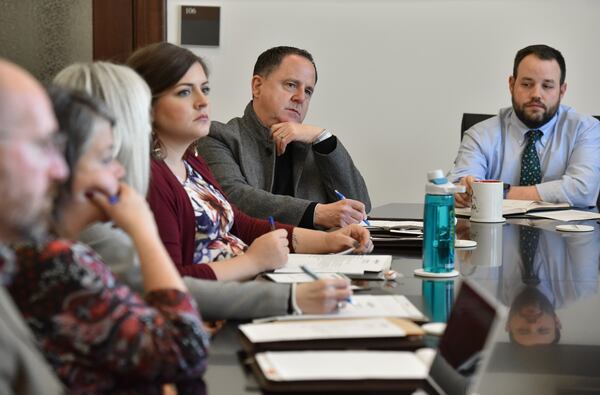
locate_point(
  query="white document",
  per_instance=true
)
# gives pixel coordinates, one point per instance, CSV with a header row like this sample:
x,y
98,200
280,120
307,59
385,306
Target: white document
x,y
340,365
566,215
326,329
404,227
511,207
347,264
288,278
363,306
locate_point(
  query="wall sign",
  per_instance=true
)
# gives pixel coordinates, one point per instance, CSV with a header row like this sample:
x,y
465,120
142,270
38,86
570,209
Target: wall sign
x,y
200,25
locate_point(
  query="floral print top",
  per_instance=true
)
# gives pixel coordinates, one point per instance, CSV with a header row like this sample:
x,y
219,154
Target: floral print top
x,y
214,219
100,337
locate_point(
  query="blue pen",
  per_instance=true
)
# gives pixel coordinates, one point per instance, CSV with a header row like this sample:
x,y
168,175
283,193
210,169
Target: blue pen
x,y
272,222
342,197
314,276
113,199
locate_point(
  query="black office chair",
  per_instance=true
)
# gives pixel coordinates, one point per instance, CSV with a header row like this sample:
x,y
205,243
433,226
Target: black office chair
x,y
470,119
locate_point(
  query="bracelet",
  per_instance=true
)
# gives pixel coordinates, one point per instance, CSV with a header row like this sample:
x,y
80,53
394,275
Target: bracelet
x,y
295,307
325,134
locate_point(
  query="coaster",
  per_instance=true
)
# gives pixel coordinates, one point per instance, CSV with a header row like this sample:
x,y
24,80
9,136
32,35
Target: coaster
x,y
574,228
460,243
422,273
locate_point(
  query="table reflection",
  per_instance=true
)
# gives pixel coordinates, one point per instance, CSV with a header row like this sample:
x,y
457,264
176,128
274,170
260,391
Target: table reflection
x,y
549,281
541,271
438,297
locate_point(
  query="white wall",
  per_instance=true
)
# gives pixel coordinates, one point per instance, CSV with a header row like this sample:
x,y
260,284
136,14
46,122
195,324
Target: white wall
x,y
396,76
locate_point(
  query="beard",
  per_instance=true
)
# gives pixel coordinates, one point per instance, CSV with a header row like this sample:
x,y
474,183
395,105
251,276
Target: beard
x,y
23,221
31,227
535,121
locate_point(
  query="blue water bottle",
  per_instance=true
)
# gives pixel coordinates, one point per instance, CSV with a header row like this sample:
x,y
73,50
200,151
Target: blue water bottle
x,y
438,226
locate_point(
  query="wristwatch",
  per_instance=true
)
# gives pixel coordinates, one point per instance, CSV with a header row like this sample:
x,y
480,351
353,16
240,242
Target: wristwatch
x,y
325,134
506,188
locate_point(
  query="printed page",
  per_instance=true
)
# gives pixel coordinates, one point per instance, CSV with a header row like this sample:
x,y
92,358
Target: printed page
x,y
404,227
524,206
511,206
340,365
347,264
288,278
566,215
322,329
363,306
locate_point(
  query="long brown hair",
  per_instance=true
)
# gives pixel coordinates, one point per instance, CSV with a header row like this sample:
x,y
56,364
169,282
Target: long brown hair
x,y
162,65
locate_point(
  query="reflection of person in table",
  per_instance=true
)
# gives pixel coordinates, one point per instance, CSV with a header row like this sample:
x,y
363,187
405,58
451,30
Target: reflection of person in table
x,y
532,319
562,269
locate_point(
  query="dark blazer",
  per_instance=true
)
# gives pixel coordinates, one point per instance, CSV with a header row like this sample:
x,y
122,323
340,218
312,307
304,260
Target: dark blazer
x,y
242,157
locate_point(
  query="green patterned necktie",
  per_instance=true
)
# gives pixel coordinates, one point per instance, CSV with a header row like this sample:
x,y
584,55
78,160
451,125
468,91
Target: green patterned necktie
x,y
531,172
528,243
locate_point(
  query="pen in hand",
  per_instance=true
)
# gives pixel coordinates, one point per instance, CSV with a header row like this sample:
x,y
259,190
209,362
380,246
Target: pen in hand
x,y
271,222
314,276
342,197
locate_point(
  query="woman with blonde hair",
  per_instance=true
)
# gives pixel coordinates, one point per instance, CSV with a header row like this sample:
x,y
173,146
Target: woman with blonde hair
x,y
99,336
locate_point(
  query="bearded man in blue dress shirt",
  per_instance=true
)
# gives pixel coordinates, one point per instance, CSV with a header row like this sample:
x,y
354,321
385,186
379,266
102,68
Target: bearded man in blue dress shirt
x,y
540,149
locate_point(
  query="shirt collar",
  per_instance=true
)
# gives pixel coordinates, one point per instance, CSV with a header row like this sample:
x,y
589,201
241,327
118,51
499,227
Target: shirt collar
x,y
521,129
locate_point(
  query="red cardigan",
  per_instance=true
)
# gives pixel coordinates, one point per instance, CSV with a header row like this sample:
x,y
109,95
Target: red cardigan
x,y
175,218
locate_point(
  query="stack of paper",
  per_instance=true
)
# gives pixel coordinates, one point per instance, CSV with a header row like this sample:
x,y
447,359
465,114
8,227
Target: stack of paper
x,y
340,365
396,234
566,215
364,306
401,227
288,278
518,207
322,329
347,264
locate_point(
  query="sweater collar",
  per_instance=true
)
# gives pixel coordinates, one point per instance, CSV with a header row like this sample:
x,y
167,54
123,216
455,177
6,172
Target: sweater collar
x,y
255,125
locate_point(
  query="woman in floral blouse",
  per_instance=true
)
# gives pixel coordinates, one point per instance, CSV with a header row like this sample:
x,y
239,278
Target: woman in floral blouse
x,y
98,335
205,234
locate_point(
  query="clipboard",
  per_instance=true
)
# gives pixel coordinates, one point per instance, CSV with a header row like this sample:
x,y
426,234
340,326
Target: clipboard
x,y
411,341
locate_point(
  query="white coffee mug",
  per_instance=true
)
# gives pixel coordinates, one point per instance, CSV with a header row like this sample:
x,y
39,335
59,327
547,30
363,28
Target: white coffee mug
x,y
486,202
489,244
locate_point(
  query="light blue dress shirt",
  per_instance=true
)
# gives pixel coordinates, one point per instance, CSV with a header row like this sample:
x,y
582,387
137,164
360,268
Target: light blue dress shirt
x,y
569,153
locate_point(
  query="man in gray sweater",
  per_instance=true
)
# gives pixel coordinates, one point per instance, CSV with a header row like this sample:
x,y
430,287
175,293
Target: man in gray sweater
x,y
272,164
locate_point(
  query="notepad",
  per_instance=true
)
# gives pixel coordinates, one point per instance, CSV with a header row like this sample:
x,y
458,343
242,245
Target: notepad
x,y
401,227
516,207
347,264
340,365
567,215
364,306
288,278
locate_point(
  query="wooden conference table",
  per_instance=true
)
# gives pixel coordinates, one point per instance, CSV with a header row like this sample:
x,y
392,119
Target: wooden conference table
x,y
563,280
